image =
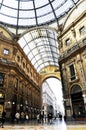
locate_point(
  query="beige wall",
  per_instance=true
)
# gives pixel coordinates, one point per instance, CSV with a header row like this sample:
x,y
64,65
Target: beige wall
x,y
73,54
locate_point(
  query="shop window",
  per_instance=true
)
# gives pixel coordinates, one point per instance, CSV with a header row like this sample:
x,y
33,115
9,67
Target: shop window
x,y
82,30
6,51
67,42
1,96
72,72
1,79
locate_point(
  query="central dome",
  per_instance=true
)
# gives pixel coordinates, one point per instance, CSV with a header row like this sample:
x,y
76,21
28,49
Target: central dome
x,y
22,13
30,23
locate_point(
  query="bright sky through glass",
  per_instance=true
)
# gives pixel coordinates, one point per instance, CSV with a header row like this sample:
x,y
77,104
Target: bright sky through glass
x,y
33,12
41,47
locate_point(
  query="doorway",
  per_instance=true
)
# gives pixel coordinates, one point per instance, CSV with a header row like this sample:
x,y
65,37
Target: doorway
x,y
77,102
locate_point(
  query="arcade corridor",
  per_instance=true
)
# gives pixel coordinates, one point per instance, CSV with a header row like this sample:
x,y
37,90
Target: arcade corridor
x,y
41,39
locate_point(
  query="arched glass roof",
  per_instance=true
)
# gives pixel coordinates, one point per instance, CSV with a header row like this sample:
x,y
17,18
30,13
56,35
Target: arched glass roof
x,y
30,16
40,46
33,12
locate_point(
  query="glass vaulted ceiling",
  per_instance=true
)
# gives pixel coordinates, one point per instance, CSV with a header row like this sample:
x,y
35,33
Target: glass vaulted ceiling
x,y
33,12
39,44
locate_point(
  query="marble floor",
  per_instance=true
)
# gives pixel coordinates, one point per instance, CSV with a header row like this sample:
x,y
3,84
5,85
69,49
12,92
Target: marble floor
x,y
57,125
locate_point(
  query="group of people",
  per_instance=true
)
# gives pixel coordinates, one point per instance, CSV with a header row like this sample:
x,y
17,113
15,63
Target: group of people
x,y
40,117
43,118
21,117
17,117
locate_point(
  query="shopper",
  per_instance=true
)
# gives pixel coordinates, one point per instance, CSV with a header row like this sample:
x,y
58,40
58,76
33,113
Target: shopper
x,y
17,116
38,118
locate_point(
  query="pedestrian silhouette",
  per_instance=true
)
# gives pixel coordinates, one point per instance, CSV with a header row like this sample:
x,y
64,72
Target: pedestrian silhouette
x,y
3,118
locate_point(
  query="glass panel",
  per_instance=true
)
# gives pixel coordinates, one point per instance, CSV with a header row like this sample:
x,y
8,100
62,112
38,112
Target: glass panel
x,y
23,14
26,49
10,3
44,10
45,18
34,61
26,22
12,20
8,11
26,5
40,3
30,56
64,8
22,42
57,4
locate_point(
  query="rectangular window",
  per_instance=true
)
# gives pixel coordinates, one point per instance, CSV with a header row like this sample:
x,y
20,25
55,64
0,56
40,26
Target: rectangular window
x,y
16,84
23,65
67,42
1,79
6,51
82,30
18,58
72,72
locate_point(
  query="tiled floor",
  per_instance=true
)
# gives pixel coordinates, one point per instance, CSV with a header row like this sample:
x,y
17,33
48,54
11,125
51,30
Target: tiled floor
x,y
58,125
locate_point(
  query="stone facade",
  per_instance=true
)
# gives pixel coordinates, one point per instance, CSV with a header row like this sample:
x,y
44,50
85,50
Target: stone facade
x,y
72,60
19,81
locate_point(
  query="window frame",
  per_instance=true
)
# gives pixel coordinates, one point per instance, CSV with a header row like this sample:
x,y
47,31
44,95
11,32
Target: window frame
x,y
67,42
72,72
82,30
6,51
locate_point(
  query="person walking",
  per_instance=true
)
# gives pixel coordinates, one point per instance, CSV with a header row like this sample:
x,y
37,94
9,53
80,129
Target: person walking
x,y
42,118
3,118
38,118
17,116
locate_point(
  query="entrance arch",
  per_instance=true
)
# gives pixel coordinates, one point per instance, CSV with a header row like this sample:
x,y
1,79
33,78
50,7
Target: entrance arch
x,y
48,72
77,101
52,97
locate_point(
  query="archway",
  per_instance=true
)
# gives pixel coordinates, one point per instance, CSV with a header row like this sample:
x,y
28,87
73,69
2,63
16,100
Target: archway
x,y
52,97
77,101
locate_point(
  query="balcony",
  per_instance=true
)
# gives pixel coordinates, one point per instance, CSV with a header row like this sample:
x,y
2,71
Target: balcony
x,y
73,49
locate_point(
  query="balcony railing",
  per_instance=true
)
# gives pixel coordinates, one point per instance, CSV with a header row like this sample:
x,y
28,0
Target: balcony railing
x,y
73,49
14,64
